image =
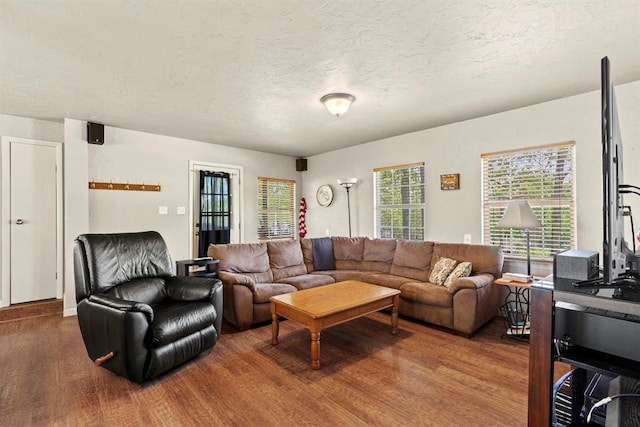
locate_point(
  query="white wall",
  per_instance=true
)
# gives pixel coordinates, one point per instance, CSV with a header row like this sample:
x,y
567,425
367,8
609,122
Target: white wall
x,y
456,148
22,127
138,157
76,201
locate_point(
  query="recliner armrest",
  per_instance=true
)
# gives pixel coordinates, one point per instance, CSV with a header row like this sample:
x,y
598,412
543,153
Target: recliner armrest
x,y
191,288
122,305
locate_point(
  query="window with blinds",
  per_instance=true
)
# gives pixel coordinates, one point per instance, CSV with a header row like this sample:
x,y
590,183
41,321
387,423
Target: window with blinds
x,y
399,202
545,177
276,208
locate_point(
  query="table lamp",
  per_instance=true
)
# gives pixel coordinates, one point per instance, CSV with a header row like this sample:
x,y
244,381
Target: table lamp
x,y
519,215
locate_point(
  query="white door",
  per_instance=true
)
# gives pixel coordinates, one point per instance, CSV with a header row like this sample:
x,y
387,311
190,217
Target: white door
x,y
33,222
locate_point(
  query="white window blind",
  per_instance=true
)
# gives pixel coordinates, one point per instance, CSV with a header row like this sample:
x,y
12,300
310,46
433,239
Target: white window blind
x,y
545,177
399,201
276,208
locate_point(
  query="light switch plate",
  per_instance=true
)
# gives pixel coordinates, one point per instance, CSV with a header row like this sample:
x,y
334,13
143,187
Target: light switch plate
x,y
181,210
163,210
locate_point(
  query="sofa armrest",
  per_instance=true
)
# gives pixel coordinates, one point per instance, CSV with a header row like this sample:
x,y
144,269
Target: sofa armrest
x,y
237,279
471,282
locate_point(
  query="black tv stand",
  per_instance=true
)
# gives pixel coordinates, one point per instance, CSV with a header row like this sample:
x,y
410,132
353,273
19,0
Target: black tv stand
x,y
629,280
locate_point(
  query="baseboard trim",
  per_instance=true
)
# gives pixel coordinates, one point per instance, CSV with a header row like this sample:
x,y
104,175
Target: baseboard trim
x,y
70,312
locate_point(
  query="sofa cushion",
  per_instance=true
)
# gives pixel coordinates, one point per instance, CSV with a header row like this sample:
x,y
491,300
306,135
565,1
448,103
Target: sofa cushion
x,y
484,259
379,250
306,281
462,270
265,290
413,259
342,275
176,320
241,257
348,248
384,279
285,259
441,270
307,253
427,293
378,255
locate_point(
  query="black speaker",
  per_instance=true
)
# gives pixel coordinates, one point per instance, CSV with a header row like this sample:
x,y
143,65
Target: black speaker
x,y
301,165
95,133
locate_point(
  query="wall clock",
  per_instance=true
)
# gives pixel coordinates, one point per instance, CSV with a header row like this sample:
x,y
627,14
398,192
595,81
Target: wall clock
x,y
324,195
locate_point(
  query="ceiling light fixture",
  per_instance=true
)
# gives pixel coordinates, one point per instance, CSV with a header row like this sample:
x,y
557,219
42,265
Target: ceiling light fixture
x,y
338,103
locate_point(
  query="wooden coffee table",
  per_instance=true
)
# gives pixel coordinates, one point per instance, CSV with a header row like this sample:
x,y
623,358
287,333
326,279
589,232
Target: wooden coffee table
x,y
328,305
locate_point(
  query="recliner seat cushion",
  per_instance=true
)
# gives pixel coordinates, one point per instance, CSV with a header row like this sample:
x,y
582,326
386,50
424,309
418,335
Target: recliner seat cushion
x,y
175,320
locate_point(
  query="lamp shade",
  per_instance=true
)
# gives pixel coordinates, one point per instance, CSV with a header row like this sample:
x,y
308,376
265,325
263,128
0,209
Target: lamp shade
x,y
519,215
348,182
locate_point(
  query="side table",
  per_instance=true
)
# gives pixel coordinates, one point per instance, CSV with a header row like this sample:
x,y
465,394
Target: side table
x,y
516,308
194,267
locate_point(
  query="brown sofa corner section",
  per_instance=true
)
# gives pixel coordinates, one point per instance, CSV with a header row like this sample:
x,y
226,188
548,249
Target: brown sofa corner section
x,y
252,272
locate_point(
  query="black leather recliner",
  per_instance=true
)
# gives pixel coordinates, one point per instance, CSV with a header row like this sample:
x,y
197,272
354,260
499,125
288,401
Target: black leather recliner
x,y
134,313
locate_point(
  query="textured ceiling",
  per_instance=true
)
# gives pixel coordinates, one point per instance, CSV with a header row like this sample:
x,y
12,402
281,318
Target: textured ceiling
x,y
250,73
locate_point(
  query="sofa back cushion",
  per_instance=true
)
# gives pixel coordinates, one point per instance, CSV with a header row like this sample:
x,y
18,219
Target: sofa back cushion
x,y
241,257
483,258
413,259
348,252
307,253
378,255
285,259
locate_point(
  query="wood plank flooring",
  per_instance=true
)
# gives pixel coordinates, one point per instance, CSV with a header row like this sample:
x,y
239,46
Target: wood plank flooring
x,y
31,309
422,376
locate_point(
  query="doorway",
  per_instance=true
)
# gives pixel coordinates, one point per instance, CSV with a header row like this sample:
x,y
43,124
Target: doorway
x,y
235,181
31,220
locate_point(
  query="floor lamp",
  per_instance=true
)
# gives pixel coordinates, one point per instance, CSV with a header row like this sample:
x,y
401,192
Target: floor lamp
x,y
347,184
519,215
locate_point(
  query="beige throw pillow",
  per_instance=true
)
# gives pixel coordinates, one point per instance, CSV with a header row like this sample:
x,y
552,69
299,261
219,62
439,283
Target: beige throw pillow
x,y
441,270
462,270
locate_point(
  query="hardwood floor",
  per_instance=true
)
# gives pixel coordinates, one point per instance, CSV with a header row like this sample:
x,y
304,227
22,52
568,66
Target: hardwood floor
x,y
422,376
30,309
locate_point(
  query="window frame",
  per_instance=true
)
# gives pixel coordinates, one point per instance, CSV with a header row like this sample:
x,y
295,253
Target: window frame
x,y
410,208
557,212
265,212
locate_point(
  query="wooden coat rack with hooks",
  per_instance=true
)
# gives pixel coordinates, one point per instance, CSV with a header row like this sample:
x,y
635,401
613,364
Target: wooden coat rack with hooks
x,y
123,186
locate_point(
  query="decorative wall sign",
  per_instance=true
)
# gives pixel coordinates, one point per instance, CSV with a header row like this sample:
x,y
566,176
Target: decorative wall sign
x,y
450,181
324,195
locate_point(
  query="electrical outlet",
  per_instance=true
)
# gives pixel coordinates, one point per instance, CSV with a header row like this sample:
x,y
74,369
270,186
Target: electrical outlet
x,y
163,210
467,239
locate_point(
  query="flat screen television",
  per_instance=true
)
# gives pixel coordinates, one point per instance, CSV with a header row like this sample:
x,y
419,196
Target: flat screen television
x,y
620,264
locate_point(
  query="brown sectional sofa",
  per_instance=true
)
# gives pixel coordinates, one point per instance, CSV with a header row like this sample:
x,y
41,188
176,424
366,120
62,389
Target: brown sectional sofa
x,y
253,272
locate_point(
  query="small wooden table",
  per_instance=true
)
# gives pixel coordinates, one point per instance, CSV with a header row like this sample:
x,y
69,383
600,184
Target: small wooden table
x,y
516,308
328,305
